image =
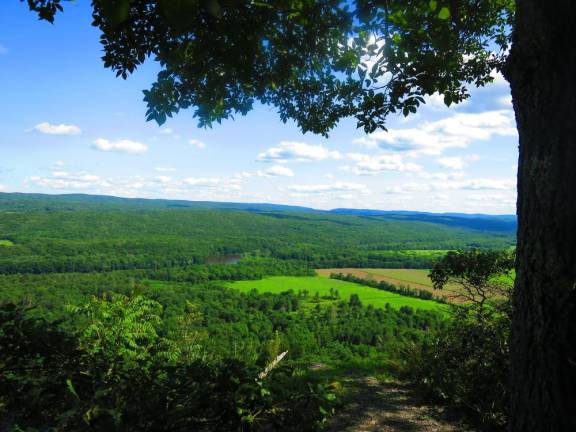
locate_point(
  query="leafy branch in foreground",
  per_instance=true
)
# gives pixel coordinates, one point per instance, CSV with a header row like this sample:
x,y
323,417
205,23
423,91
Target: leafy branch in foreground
x,y
483,275
120,373
317,62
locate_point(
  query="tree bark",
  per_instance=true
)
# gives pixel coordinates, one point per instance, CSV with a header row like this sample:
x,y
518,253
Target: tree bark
x,y
541,70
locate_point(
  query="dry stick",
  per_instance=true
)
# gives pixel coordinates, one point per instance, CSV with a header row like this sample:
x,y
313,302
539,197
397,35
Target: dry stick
x,y
272,365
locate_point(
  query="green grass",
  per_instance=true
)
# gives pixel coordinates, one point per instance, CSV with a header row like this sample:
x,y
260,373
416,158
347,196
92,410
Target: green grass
x,y
6,243
322,285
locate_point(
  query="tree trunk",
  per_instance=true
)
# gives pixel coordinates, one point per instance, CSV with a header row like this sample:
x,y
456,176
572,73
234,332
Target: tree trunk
x,y
542,73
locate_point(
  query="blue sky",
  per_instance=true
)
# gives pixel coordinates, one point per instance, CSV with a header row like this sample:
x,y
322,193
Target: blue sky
x,y
70,126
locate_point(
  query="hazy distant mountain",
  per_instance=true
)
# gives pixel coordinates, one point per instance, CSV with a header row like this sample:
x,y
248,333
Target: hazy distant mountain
x,y
473,221
45,202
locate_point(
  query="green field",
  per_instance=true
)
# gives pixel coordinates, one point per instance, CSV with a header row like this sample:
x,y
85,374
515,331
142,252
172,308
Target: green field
x,y
416,276
322,285
6,243
434,253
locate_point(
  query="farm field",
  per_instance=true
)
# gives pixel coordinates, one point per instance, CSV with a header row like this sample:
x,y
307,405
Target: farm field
x,y
322,285
414,278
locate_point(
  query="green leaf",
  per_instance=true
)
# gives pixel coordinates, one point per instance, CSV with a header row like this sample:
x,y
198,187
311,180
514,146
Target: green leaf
x,y
179,14
444,13
71,388
115,11
433,5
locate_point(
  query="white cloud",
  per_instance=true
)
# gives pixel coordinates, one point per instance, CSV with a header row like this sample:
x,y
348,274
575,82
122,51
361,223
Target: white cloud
x,y
163,179
195,188
54,129
489,183
197,143
242,175
59,164
64,180
432,138
166,131
440,197
370,165
203,181
330,188
505,101
2,188
442,175
436,102
493,201
123,146
501,184
498,78
477,184
408,188
297,151
276,171
455,163
165,169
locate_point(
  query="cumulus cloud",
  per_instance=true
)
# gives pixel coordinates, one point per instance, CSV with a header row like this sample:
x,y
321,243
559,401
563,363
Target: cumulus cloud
x,y
206,188
276,171
122,146
492,201
408,188
375,164
203,181
57,129
498,78
288,151
441,175
476,184
505,101
435,101
65,180
432,138
197,143
163,179
489,184
455,163
330,188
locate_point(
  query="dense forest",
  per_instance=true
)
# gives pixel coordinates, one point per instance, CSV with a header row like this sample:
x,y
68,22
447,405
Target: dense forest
x,y
106,301
84,234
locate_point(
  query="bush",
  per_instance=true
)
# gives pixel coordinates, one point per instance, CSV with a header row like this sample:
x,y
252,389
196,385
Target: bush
x,y
468,364
121,373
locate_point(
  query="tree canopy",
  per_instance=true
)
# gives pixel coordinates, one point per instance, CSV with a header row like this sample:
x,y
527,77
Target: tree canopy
x,y
317,62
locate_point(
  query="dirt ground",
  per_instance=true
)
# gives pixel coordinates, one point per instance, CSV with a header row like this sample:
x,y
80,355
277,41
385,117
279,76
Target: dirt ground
x,y
389,407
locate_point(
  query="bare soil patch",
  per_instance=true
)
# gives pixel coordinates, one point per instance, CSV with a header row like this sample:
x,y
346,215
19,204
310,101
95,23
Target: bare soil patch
x,y
390,407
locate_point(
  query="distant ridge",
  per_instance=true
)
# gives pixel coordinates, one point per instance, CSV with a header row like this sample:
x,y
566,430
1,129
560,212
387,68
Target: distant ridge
x,y
6,199
476,221
46,202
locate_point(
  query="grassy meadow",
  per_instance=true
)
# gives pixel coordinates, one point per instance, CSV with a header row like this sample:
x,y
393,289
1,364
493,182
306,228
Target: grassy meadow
x,y
322,286
413,278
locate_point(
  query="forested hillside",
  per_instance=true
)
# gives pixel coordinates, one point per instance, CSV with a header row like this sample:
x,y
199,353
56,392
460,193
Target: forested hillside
x,y
88,233
127,312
